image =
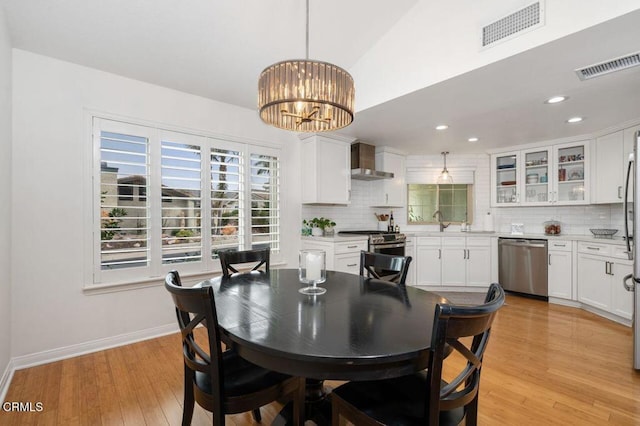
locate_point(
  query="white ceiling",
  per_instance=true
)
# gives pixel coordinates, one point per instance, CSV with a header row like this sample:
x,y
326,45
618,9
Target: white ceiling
x,y
217,49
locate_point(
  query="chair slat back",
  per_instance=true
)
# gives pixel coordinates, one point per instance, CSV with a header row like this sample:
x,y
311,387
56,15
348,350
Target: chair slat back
x,y
228,258
395,267
452,324
196,306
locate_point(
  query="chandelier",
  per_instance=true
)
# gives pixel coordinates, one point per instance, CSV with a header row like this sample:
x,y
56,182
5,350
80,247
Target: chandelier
x,y
303,95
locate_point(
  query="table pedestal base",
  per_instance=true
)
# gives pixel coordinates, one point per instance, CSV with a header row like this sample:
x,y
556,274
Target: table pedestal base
x,y
317,407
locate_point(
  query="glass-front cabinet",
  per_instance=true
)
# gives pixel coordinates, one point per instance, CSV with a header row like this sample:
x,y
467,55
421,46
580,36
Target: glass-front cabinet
x,y
541,176
505,178
571,170
535,176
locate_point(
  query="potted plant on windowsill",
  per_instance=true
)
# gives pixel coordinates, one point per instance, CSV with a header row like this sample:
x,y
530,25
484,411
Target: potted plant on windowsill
x,y
319,226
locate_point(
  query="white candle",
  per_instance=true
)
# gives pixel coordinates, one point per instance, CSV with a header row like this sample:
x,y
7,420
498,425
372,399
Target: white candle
x,y
314,266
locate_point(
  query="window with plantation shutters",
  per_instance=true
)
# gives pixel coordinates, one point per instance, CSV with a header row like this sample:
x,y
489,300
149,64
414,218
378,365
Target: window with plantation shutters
x,y
181,202
227,200
265,201
165,200
123,209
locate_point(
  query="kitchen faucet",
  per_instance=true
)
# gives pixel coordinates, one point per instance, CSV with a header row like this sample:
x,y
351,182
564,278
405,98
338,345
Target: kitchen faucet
x,y
438,213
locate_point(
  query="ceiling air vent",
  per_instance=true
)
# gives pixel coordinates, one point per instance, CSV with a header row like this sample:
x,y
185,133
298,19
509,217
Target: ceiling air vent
x,y
617,64
528,18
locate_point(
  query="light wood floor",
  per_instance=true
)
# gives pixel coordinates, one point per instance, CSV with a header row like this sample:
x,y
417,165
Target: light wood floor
x,y
545,365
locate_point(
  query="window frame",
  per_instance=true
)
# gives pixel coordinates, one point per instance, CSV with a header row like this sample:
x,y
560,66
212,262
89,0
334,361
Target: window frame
x,y
469,205
155,135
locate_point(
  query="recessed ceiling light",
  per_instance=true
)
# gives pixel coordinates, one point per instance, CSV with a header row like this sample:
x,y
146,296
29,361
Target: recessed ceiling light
x,y
556,99
474,139
574,120
442,127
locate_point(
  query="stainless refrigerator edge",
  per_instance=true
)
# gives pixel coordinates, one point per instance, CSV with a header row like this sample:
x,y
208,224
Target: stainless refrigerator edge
x,y
632,282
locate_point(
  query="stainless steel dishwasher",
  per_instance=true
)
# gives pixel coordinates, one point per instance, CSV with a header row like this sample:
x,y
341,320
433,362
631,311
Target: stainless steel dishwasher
x,y
522,265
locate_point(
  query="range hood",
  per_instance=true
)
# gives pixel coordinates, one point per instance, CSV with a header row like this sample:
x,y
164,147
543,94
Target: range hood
x,y
363,163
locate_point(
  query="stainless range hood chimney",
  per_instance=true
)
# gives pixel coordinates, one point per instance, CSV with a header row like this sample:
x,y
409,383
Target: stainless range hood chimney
x,y
363,163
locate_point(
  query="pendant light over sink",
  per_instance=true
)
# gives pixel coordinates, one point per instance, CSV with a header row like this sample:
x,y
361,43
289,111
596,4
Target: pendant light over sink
x,y
303,95
445,177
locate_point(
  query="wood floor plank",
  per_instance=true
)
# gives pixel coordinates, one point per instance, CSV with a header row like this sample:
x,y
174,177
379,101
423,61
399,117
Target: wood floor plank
x,y
545,364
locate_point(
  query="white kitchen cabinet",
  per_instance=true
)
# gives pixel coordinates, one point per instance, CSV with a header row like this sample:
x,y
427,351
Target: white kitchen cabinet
x,y
571,173
428,257
454,261
342,256
610,160
410,250
478,262
546,175
505,178
621,299
560,269
536,176
390,192
326,170
609,173
601,269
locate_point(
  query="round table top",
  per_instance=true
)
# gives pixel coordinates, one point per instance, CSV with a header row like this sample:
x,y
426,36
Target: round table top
x,y
360,328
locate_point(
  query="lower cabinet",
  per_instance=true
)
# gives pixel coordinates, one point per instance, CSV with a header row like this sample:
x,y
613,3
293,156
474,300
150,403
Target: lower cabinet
x,y
454,261
410,250
601,269
342,256
560,276
428,259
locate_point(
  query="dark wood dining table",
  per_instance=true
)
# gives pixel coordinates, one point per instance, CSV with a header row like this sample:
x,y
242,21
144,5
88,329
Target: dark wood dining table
x,y
360,329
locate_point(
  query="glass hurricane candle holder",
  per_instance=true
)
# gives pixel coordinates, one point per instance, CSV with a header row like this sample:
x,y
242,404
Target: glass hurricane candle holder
x,y
312,270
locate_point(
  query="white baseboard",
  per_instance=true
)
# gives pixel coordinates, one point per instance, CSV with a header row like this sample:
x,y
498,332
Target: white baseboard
x,y
45,357
5,380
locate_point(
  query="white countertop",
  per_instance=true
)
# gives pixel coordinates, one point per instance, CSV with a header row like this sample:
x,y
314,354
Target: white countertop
x,y
617,240
337,238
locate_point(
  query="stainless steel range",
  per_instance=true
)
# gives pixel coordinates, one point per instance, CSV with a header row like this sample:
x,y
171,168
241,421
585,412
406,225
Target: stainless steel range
x,y
383,242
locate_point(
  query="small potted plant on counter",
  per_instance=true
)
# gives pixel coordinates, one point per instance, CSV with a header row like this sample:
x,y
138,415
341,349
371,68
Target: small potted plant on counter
x,y
320,226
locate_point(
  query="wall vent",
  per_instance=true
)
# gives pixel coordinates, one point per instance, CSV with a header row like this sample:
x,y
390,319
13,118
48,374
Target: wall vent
x,y
602,68
528,18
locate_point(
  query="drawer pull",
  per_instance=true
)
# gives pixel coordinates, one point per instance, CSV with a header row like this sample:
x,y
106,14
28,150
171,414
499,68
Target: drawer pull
x,y
352,246
559,245
593,248
351,264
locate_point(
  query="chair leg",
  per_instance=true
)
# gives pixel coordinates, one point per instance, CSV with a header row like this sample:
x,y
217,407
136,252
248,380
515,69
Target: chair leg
x,y
471,414
189,399
298,402
256,415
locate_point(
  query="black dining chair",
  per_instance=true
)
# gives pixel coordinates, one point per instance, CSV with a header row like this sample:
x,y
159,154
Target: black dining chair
x,y
385,266
223,382
228,258
424,398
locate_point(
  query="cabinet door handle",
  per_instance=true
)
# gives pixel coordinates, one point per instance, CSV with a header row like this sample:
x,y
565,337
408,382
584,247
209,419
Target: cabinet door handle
x,y
468,254
619,192
549,259
611,268
439,253
386,198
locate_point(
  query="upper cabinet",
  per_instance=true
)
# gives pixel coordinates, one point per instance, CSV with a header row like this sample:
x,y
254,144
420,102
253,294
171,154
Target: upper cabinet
x,y
547,175
611,157
390,192
326,170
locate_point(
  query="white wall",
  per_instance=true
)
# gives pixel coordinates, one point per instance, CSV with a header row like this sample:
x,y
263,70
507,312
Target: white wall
x,y
50,309
450,50
5,195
